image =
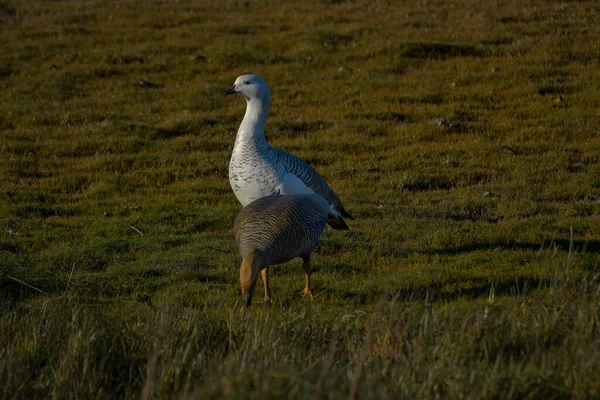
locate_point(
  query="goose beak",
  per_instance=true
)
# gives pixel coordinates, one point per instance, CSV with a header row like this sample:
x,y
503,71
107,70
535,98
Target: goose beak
x,y
231,90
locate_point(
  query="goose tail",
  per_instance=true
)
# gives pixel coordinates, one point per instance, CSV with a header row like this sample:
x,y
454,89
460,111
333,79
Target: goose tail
x,y
337,223
346,214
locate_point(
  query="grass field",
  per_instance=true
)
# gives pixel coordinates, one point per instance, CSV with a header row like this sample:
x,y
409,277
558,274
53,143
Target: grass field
x,y
463,136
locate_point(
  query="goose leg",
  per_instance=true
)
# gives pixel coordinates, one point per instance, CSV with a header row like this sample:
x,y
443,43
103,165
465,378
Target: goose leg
x,y
307,291
265,278
252,264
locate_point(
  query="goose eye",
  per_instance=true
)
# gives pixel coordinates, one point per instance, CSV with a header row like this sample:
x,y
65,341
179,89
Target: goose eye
x,y
246,82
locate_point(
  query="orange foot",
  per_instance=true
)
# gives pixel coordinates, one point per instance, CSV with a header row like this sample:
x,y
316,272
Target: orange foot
x,y
307,292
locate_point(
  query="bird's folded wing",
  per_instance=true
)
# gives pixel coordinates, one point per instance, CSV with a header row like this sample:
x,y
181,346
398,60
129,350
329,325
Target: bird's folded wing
x,y
303,171
291,184
311,178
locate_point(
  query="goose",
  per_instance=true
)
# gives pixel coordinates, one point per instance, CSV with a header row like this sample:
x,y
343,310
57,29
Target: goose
x,y
275,229
256,169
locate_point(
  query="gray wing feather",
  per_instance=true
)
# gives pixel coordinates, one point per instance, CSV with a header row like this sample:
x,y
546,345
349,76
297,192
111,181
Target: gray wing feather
x,y
311,178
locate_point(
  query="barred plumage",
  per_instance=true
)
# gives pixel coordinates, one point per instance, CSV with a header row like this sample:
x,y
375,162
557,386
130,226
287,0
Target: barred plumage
x,y
276,229
283,227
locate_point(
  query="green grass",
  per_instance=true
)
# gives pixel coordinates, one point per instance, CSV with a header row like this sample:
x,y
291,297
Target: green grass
x,y
464,137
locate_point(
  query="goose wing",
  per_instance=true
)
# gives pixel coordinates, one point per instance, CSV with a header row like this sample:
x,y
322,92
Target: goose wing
x,y
306,174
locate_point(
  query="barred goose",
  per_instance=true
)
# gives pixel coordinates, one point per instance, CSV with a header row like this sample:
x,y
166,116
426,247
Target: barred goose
x,y
275,229
256,169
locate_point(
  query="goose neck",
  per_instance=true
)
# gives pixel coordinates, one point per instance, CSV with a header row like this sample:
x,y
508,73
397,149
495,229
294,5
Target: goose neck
x,y
253,125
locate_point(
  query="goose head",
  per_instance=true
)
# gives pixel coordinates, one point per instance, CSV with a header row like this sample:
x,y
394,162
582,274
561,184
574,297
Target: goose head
x,y
252,87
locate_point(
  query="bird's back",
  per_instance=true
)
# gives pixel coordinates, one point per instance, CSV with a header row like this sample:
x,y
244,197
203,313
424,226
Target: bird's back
x,y
283,227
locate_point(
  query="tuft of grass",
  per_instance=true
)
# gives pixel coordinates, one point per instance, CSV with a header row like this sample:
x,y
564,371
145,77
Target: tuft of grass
x,y
418,340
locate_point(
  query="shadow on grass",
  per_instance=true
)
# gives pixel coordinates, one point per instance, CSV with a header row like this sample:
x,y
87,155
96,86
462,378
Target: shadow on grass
x,y
436,292
392,117
15,290
590,246
480,288
435,51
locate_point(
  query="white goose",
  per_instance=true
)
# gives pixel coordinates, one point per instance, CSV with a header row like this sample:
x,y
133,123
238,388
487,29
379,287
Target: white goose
x,y
256,169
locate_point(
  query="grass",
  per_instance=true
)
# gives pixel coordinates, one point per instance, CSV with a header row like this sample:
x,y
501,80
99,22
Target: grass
x,y
463,137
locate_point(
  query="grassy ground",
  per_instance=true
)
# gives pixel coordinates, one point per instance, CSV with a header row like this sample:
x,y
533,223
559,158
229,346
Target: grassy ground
x,y
463,136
